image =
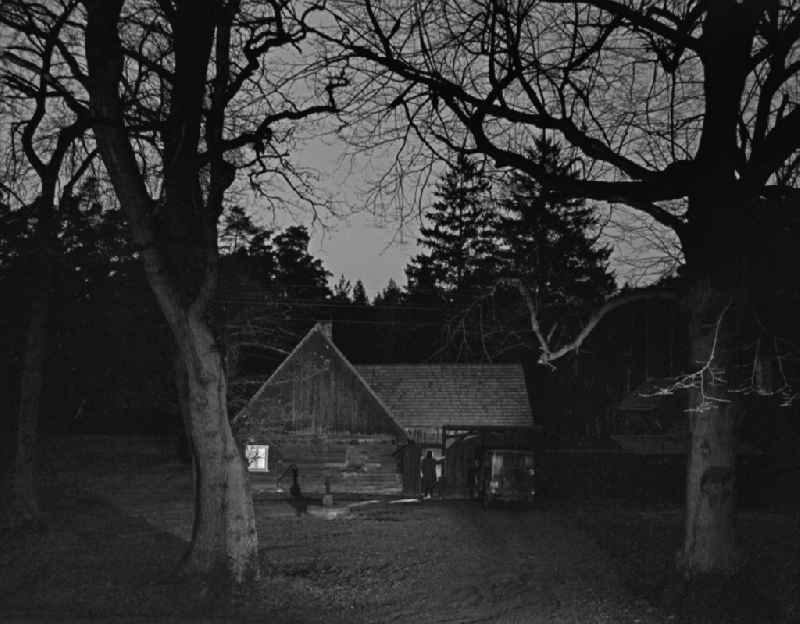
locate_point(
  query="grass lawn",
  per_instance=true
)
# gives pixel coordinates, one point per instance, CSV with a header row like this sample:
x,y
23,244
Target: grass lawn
x,y
115,530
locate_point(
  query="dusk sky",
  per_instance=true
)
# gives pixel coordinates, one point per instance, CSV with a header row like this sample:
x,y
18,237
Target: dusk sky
x,y
371,244
374,246
364,242
360,249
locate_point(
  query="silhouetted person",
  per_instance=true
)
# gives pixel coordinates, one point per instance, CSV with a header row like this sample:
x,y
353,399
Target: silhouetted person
x,y
294,491
296,499
428,475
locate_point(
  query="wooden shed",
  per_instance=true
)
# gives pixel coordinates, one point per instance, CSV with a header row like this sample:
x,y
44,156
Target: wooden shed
x,y
363,428
423,398
316,412
427,398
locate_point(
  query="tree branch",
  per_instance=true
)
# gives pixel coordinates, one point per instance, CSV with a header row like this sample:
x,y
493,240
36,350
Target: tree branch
x,y
549,354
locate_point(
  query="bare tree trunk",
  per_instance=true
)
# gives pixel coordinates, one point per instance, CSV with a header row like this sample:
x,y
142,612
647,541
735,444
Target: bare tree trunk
x,y
224,541
709,538
179,254
224,544
25,501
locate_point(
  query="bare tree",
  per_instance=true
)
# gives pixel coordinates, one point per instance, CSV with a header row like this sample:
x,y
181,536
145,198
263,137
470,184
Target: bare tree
x,y
48,135
202,60
684,111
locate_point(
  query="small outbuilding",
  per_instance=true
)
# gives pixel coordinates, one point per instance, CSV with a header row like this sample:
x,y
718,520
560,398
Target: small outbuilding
x,y
362,429
424,398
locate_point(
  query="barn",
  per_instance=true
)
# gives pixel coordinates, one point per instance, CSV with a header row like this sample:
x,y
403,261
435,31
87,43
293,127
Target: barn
x,y
362,428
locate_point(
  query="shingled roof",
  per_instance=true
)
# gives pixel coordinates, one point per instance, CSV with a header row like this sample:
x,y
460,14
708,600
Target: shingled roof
x,y
428,396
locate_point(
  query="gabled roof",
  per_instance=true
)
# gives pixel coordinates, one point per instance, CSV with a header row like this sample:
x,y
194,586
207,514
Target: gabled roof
x,y
320,333
428,396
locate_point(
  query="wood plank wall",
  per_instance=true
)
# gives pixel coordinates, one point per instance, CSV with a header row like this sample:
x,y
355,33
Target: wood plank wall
x,y
316,390
353,465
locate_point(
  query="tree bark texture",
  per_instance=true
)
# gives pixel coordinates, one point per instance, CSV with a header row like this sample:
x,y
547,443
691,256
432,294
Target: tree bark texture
x,y
709,537
224,544
224,539
185,448
717,260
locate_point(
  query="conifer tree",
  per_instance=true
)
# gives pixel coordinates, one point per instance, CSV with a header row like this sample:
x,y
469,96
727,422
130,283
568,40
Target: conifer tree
x,y
458,237
298,273
392,295
237,229
359,294
549,241
342,290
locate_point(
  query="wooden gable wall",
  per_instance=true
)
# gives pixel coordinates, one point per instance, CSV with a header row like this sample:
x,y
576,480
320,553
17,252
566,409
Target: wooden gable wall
x,y
316,391
315,412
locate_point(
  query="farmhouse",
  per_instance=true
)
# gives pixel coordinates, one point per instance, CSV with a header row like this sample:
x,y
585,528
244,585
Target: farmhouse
x,y
362,429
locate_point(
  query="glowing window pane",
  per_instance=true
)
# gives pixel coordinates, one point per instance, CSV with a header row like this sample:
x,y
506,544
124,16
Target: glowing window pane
x,y
257,457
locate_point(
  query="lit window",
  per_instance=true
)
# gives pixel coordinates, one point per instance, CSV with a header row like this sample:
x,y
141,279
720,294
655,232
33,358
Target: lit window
x,y
257,457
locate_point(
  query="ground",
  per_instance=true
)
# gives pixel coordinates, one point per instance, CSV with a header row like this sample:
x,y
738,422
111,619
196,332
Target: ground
x,y
114,534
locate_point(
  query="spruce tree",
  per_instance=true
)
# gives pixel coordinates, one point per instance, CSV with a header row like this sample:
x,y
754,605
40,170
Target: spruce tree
x,y
360,294
237,229
458,236
550,243
341,290
298,273
392,295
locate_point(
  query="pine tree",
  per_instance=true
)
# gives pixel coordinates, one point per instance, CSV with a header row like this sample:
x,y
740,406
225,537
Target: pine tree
x,y
550,242
392,295
248,263
459,237
342,290
359,294
237,229
298,273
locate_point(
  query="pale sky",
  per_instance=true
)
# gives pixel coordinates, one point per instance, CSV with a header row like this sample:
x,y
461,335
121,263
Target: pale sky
x,y
359,249
363,242
372,245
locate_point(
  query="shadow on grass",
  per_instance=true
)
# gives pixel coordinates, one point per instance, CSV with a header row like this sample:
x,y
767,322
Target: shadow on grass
x,y
643,543
90,560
